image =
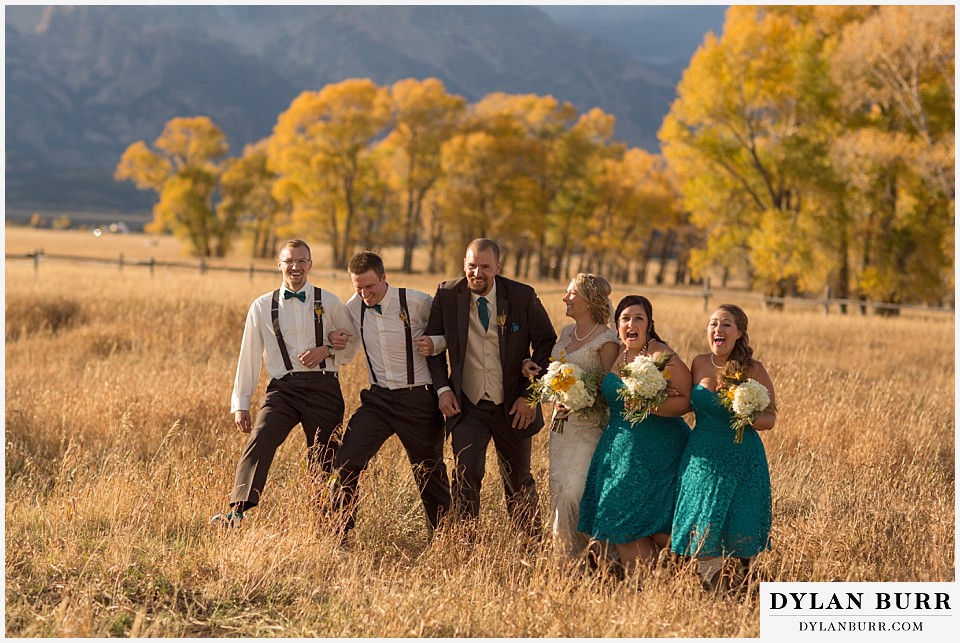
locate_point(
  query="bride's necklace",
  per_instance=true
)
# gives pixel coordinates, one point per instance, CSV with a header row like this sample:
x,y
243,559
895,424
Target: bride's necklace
x,y
580,339
714,363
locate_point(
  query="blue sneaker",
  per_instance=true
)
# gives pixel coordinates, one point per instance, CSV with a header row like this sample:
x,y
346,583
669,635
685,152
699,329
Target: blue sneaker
x,y
227,520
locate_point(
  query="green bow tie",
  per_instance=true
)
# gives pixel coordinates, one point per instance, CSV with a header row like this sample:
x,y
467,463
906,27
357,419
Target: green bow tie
x,y
375,307
302,295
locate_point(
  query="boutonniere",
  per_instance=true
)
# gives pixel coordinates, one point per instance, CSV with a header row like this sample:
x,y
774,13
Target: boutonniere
x,y
515,327
318,309
502,321
404,318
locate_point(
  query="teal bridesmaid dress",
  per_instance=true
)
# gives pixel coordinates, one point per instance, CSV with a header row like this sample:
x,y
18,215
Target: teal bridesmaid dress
x,y
724,504
631,487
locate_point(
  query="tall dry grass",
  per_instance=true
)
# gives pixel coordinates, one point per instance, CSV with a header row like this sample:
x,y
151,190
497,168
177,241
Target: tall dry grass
x,y
119,447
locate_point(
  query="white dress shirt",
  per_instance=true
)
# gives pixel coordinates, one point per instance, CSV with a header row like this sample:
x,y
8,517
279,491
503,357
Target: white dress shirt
x,y
299,334
386,341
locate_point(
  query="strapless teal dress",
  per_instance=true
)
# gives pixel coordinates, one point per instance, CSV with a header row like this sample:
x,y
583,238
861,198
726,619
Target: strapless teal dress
x,y
631,487
724,505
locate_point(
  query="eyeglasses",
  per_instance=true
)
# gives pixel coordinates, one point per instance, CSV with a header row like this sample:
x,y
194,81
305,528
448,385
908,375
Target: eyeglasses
x,y
295,262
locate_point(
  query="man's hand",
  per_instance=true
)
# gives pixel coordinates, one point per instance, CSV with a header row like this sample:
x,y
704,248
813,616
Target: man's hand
x,y
313,356
338,338
448,404
529,368
523,414
424,344
242,418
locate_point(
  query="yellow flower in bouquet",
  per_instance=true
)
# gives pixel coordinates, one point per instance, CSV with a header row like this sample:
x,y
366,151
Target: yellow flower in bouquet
x,y
745,398
568,384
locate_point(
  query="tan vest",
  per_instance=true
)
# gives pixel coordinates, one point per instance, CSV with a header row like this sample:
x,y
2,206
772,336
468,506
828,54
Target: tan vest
x,y
482,371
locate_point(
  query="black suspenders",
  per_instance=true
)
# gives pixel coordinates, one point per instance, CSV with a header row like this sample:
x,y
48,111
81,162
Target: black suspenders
x,y
363,310
318,322
317,325
405,316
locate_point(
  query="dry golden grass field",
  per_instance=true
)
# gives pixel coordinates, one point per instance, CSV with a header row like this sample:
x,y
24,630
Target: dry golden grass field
x,y
120,446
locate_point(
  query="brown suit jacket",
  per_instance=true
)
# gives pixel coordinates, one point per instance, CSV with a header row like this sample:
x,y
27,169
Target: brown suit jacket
x,y
527,332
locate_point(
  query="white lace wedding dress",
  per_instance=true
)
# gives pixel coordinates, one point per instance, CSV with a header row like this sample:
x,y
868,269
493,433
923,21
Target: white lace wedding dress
x,y
572,450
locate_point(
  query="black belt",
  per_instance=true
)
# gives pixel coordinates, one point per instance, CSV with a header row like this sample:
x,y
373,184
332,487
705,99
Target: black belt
x,y
418,387
310,374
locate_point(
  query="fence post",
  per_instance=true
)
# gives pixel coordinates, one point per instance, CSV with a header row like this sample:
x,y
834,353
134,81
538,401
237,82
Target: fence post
x,y
706,295
36,261
250,272
203,266
121,262
151,264
826,300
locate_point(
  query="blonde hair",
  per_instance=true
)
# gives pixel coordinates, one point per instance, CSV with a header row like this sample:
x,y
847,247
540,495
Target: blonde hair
x,y
595,290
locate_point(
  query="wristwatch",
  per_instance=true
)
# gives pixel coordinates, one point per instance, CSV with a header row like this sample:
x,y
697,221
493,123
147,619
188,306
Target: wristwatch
x,y
330,351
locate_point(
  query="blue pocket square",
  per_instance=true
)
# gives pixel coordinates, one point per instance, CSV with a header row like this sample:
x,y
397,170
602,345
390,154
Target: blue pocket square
x,y
514,327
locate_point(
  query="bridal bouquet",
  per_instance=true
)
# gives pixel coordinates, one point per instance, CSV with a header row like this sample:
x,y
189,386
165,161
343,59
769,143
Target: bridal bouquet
x,y
644,385
745,398
566,383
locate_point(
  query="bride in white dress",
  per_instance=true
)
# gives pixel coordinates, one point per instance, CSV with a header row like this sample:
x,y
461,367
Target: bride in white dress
x,y
592,345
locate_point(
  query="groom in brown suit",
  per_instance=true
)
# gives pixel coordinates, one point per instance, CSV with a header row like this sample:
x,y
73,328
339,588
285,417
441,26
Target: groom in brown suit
x,y
493,327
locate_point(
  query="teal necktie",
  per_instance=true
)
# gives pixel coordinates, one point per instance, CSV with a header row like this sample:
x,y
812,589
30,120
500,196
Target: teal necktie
x,y
375,307
302,295
483,312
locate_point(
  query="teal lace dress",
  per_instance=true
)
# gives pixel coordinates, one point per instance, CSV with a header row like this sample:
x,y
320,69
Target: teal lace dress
x,y
724,505
631,487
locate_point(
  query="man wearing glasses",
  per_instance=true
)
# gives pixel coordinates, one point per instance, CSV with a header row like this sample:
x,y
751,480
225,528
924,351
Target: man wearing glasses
x,y
285,329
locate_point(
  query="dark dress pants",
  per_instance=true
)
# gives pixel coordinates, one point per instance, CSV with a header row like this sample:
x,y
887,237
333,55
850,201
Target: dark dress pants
x,y
311,399
470,437
412,415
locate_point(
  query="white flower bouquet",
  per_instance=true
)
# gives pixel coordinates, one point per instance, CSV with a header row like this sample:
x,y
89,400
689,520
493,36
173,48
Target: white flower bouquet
x,y
568,384
745,398
644,387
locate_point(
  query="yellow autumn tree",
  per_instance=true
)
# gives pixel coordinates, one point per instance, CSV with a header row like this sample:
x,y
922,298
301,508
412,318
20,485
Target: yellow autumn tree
x,y
183,168
549,155
321,152
575,159
246,188
895,73
424,117
635,207
379,214
478,195
528,125
747,141
814,146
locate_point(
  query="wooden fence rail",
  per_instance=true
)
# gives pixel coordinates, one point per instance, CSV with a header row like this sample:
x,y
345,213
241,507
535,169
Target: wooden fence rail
x,y
38,257
825,302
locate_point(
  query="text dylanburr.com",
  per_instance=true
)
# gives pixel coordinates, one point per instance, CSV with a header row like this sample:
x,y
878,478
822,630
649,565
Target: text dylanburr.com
x,y
907,611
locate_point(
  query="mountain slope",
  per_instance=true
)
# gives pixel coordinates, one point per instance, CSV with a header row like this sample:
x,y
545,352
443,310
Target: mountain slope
x,y
83,82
